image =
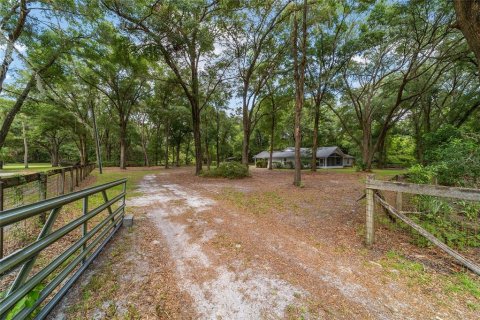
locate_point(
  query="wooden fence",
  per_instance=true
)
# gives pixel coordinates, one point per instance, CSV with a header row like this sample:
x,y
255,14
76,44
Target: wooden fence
x,y
372,194
25,189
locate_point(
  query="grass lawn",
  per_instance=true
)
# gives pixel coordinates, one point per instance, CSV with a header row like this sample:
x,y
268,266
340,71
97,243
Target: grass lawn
x,y
32,167
376,172
134,176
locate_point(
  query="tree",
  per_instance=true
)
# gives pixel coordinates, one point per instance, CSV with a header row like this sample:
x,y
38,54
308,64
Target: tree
x,y
299,77
467,12
258,51
119,75
330,37
186,44
394,67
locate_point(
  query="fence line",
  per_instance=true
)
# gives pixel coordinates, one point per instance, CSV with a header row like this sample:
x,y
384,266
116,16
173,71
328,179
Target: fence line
x,y
20,190
372,188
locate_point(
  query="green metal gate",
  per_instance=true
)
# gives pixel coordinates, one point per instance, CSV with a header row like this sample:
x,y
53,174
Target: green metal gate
x,y
30,288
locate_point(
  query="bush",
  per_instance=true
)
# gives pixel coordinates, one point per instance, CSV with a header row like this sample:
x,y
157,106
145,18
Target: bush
x,y
306,164
421,175
289,165
262,163
230,170
278,165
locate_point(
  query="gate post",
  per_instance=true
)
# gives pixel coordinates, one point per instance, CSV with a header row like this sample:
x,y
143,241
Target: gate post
x,y
370,206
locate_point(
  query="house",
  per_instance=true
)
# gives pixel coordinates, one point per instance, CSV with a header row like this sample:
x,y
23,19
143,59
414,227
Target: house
x,y
327,157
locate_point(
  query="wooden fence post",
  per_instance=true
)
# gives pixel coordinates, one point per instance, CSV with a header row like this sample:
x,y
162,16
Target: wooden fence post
x,y
370,206
399,201
71,180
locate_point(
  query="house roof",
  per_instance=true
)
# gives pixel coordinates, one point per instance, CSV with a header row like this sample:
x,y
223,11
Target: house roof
x,y
322,152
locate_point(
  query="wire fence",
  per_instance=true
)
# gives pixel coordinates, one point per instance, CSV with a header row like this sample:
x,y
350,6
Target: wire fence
x,y
21,190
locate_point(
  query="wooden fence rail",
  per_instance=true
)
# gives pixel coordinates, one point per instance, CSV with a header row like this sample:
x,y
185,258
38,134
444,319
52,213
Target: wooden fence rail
x,y
373,186
76,175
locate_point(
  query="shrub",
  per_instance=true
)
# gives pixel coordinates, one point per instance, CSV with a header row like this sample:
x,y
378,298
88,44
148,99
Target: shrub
x,y
289,165
230,170
306,164
421,175
262,163
278,165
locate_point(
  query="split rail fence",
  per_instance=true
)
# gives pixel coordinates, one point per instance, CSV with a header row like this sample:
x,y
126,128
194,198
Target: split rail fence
x,y
374,194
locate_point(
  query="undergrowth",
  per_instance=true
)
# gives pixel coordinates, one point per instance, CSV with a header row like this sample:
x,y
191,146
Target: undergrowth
x,y
230,170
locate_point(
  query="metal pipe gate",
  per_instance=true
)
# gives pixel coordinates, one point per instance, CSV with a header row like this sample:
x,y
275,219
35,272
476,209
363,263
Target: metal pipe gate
x,y
35,295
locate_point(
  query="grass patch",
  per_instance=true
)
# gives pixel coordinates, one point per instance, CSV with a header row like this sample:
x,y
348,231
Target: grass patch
x,y
258,203
379,173
415,272
133,178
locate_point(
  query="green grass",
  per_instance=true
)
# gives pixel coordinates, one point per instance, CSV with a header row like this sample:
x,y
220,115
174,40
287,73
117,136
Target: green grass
x,y
133,178
32,167
377,172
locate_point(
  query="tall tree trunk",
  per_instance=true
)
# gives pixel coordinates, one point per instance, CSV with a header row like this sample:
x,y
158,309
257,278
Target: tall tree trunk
x,y
315,138
468,13
367,147
272,138
55,153
218,138
157,141
197,140
187,152
82,149
177,163
8,120
12,38
167,130
97,140
299,76
25,145
246,128
123,144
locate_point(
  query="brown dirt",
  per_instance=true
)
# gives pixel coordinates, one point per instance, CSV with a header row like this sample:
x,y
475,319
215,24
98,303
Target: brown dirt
x,y
257,248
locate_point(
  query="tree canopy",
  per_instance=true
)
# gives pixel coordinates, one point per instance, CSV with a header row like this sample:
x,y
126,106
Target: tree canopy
x,y
204,81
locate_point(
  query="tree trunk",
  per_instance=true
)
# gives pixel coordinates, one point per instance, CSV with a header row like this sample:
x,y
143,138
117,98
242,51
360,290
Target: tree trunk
x,y
468,13
367,147
187,152
55,153
272,139
167,129
197,139
299,77
97,141
25,145
246,127
7,122
315,139
157,141
12,38
218,139
177,163
123,144
82,149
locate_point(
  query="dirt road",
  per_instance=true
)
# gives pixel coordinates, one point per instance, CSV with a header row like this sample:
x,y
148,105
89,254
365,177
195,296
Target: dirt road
x,y
257,248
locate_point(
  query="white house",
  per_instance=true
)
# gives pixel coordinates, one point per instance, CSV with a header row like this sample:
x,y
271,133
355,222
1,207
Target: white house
x,y
327,157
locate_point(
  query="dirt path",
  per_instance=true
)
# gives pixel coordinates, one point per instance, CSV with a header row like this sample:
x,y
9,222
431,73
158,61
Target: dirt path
x,y
260,248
